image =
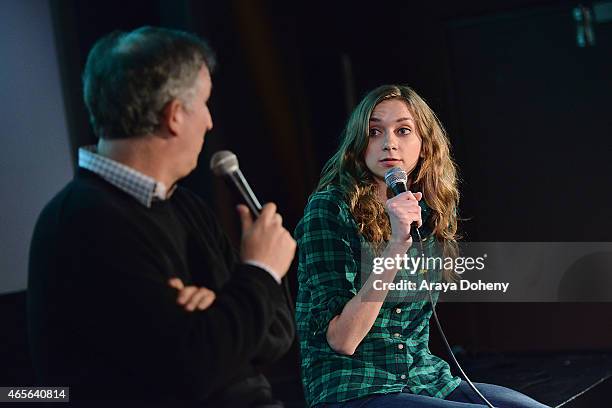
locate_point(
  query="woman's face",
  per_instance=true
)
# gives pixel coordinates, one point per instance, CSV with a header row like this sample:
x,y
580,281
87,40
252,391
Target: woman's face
x,y
393,139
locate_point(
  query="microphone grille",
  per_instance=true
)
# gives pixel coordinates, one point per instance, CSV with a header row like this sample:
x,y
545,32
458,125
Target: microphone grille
x,y
223,162
396,175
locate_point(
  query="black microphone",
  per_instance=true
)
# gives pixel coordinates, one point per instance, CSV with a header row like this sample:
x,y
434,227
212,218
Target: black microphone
x,y
225,163
397,180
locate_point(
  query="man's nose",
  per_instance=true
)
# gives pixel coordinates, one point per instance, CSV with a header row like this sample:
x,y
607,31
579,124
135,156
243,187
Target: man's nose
x,y
210,122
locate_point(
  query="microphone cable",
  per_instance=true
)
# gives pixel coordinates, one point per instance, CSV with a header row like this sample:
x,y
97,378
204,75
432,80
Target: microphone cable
x,y
452,356
589,388
445,341
396,180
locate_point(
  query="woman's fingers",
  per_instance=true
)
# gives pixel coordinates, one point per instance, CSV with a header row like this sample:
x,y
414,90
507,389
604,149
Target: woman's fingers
x,y
408,219
404,210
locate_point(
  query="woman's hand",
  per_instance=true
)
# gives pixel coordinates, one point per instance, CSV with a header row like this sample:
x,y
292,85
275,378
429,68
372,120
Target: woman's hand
x,y
348,329
403,210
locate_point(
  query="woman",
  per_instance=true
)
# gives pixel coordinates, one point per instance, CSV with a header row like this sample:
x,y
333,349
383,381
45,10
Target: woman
x,y
359,345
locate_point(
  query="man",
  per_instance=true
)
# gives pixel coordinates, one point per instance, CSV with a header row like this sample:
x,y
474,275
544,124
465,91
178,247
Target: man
x,y
134,290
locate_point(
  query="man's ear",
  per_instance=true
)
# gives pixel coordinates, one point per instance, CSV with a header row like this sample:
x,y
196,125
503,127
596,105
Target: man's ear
x,y
173,116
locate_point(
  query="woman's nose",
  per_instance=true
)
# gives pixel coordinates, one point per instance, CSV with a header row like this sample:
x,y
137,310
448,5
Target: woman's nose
x,y
389,142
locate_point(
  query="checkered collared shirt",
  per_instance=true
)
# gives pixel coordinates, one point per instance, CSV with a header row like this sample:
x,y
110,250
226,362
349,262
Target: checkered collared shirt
x,y
395,354
143,188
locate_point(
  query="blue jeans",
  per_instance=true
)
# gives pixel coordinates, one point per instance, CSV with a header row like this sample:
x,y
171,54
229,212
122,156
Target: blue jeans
x,y
461,397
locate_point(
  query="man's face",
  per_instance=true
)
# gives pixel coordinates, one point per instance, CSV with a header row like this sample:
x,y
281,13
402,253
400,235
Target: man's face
x,y
197,121
393,139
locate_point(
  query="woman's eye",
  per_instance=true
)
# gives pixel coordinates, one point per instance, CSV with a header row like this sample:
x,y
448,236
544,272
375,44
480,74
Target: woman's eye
x,y
404,131
374,131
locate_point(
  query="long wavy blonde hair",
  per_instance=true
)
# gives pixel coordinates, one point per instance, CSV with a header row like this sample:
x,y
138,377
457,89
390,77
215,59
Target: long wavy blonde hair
x,y
435,174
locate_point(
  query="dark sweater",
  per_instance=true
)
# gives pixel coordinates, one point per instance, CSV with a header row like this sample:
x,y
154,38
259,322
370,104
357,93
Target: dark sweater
x,y
102,317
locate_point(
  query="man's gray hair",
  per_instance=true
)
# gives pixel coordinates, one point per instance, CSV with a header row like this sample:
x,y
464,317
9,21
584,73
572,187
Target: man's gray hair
x,y
130,77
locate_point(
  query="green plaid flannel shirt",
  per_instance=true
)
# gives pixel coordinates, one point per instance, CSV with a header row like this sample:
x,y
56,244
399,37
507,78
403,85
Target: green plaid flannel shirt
x,y
394,355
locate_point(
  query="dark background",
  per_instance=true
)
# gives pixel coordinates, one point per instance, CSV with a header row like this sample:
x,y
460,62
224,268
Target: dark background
x,y
526,109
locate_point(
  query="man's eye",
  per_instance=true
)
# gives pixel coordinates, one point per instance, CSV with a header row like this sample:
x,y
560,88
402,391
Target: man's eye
x,y
374,131
404,131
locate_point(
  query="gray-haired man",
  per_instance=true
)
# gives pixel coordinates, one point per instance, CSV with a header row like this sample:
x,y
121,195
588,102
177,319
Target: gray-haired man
x,y
134,290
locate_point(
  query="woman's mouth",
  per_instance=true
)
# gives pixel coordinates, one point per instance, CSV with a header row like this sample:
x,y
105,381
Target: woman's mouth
x,y
390,162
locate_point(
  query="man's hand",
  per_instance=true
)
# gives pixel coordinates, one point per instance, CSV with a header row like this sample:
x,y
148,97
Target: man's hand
x,y
192,297
265,240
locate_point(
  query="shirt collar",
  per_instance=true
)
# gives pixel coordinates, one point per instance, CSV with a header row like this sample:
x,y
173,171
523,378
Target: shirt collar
x,y
143,188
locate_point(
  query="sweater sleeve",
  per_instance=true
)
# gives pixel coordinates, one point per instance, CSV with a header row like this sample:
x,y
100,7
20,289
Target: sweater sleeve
x,y
281,332
134,313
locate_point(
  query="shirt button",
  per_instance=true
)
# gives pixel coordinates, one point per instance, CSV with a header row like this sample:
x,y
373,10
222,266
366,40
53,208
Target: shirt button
x,y
396,335
403,376
400,346
398,310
